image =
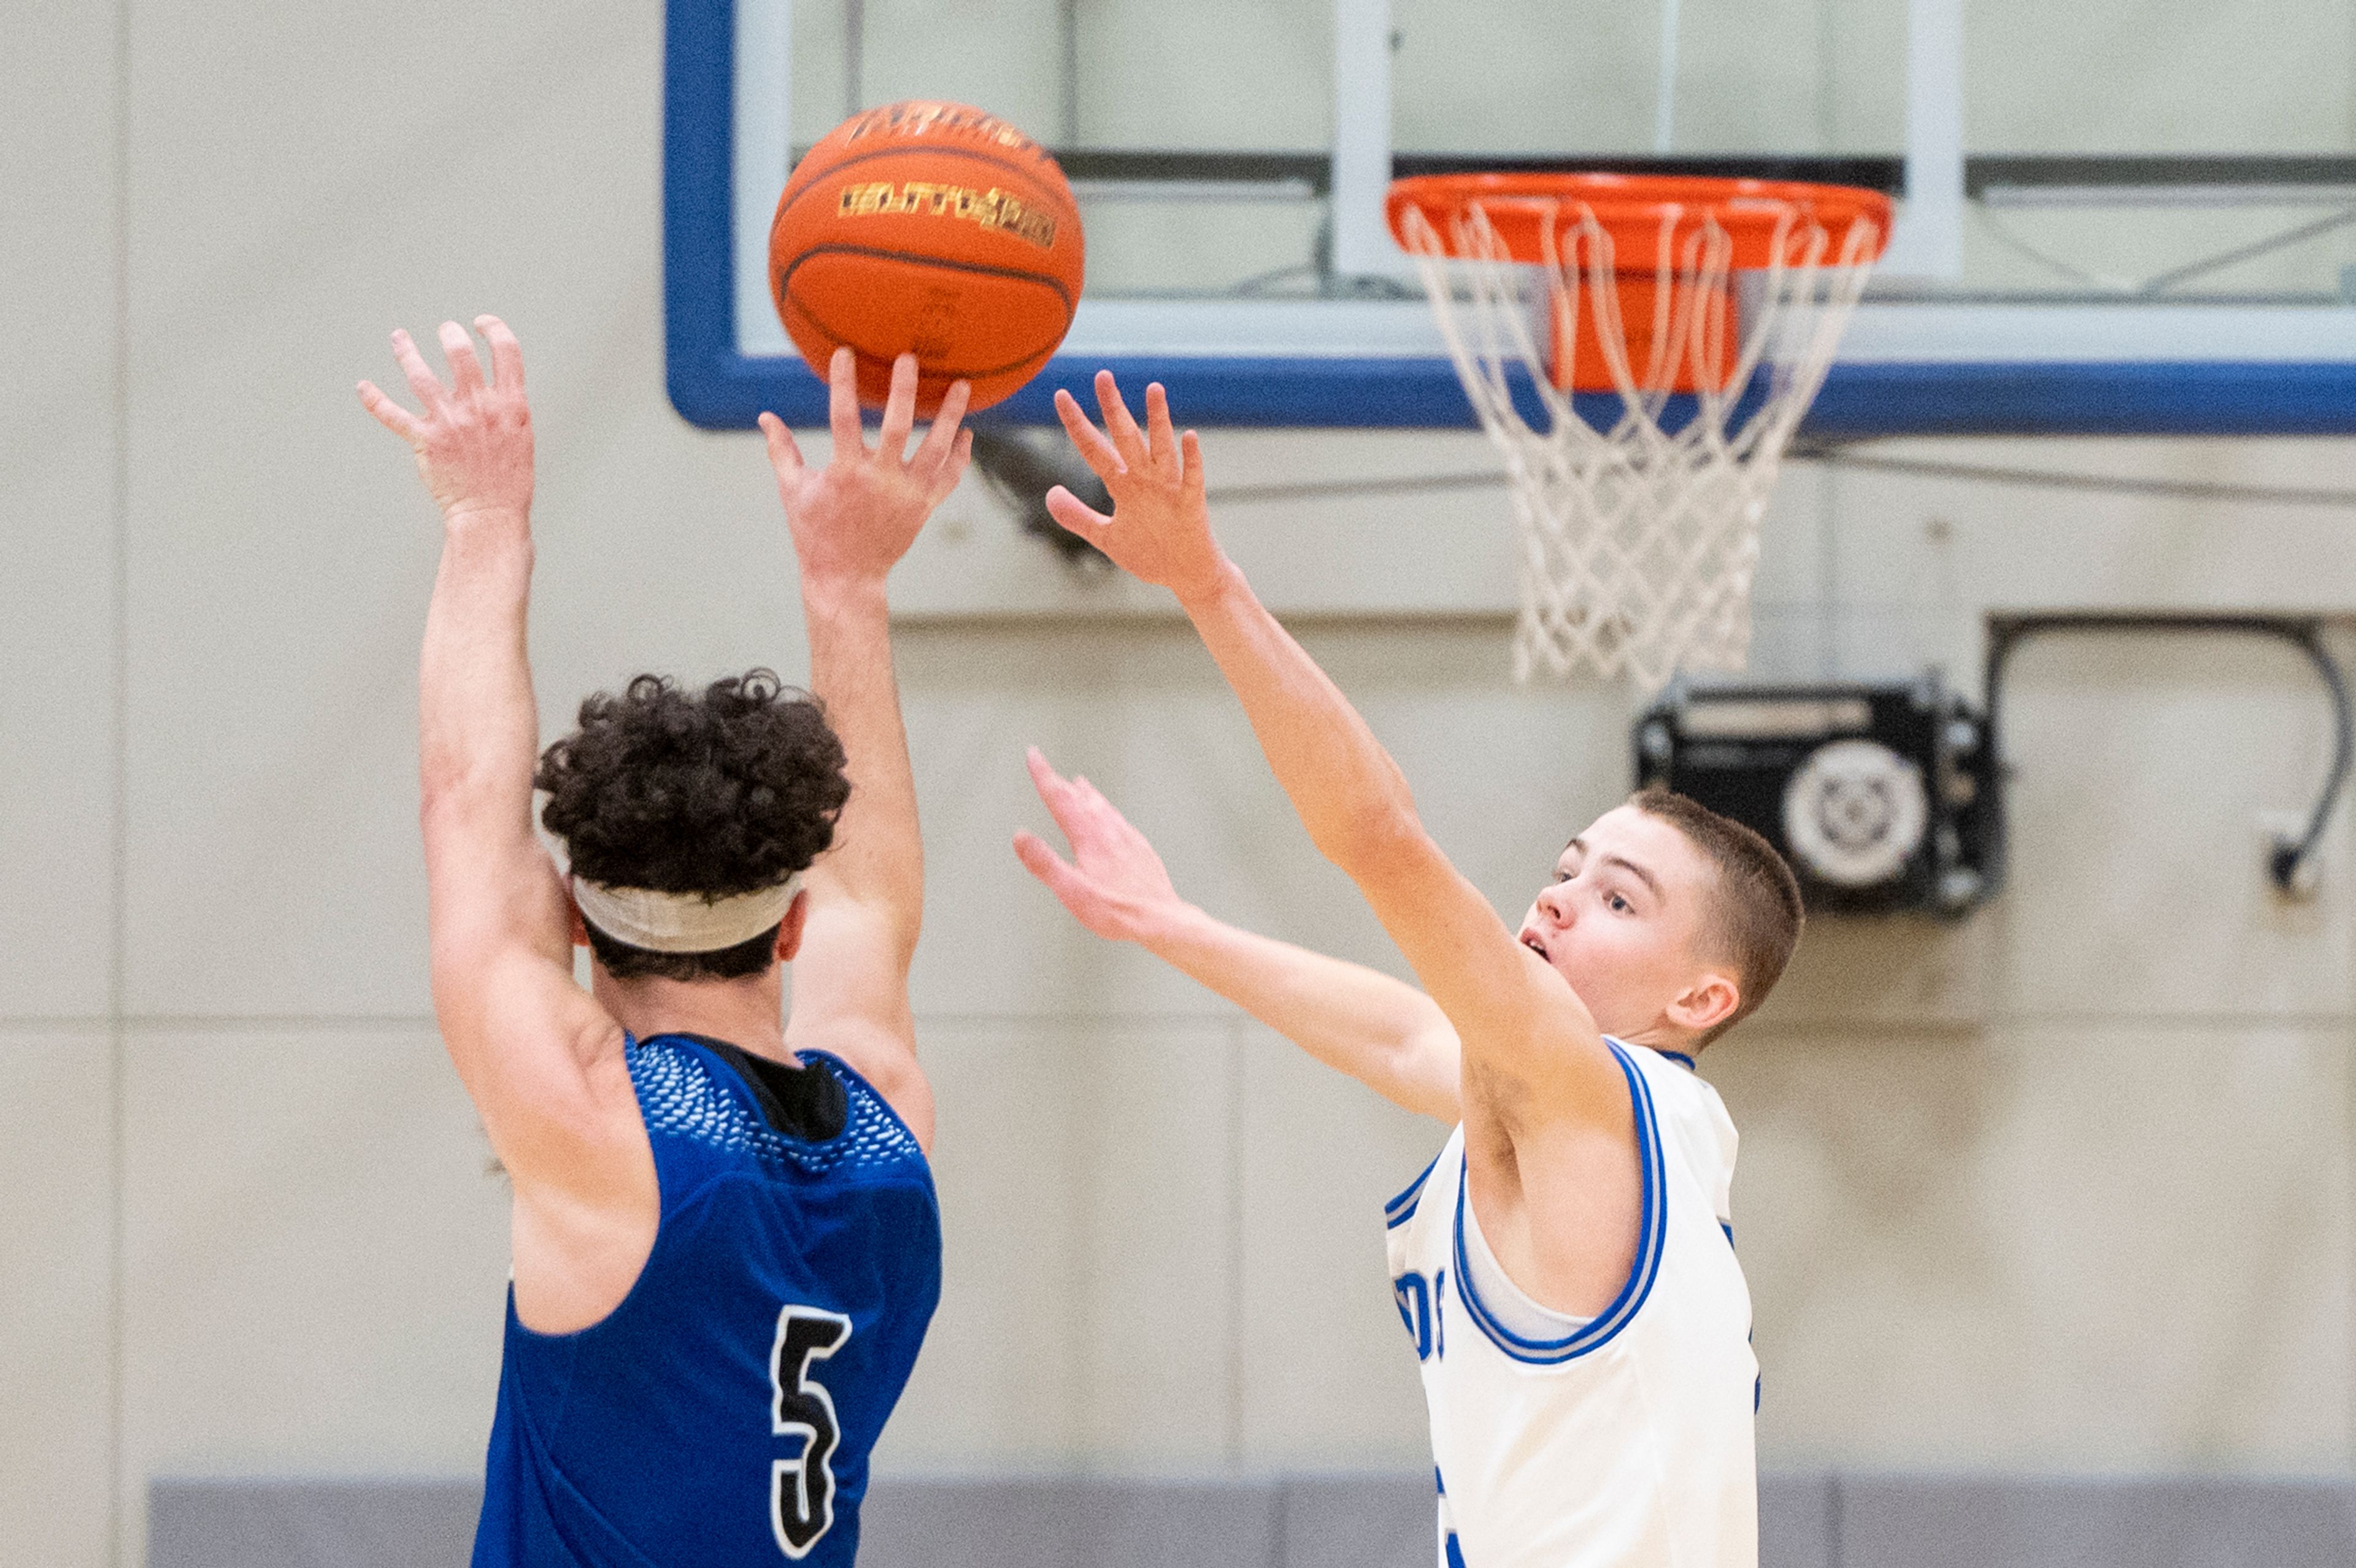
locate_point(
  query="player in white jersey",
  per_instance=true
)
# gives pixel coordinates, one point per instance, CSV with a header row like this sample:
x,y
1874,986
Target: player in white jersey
x,y
1565,1267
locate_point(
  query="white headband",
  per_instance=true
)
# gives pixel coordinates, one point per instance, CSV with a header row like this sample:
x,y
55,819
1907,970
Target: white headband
x,y
682,923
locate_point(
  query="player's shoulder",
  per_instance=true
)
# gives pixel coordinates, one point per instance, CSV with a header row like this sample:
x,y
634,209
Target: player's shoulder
x,y
1687,1109
710,1104
1670,1074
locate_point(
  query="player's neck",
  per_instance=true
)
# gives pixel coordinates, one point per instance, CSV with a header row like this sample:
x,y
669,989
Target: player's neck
x,y
1664,1041
747,1013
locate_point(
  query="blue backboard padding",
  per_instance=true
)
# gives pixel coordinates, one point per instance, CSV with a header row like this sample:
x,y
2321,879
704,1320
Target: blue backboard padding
x,y
705,373
2076,398
713,385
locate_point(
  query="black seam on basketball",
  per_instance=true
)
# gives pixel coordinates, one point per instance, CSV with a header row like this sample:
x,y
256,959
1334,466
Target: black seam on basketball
x,y
785,278
792,195
1037,360
1037,356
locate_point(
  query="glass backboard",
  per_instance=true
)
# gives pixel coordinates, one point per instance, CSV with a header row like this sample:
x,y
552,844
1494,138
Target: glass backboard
x,y
2116,217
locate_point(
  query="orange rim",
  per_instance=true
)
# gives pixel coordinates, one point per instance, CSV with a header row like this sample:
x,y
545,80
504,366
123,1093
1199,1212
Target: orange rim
x,y
1648,216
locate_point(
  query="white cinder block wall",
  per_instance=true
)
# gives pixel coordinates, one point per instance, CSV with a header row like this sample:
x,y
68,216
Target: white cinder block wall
x,y
2065,1187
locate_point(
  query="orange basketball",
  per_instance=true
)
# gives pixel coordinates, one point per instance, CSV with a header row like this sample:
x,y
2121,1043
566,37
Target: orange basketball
x,y
931,229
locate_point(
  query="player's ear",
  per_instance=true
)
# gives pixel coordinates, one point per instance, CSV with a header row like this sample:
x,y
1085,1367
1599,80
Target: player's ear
x,y
790,930
1709,1002
580,926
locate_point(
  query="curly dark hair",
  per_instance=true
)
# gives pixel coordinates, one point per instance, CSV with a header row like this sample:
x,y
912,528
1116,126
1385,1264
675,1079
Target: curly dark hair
x,y
721,792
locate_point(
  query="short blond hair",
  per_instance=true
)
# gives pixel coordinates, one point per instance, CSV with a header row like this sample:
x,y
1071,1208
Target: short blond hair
x,y
1757,918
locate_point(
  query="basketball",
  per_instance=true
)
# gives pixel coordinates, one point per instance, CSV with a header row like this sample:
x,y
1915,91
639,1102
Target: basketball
x,y
932,229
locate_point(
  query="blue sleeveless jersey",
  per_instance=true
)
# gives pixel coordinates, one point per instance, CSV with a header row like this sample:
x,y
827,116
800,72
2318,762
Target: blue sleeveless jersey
x,y
722,1416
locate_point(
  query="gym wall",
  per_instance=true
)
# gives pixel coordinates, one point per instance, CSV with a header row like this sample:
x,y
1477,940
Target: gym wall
x,y
2063,1189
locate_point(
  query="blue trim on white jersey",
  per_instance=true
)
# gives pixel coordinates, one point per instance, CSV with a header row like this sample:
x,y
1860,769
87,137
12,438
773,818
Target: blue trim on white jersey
x,y
1680,1057
1652,1239
1401,1208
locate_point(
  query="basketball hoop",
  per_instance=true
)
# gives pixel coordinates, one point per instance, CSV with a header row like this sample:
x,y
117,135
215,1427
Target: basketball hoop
x,y
1693,319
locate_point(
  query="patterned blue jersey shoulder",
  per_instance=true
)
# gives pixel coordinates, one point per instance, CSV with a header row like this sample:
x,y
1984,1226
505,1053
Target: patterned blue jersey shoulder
x,y
723,1414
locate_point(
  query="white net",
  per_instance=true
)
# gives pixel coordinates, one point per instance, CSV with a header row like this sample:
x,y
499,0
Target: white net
x,y
1640,532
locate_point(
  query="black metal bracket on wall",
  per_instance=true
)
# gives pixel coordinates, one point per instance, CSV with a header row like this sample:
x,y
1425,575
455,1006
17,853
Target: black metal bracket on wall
x,y
2288,857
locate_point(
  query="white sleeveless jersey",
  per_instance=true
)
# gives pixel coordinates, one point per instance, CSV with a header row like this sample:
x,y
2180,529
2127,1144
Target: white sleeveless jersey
x,y
1620,1441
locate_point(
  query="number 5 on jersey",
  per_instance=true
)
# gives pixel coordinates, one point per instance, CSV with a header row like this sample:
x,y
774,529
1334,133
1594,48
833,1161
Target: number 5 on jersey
x,y
801,1490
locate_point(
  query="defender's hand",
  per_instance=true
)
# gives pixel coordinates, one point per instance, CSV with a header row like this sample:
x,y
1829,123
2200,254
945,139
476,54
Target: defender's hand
x,y
474,440
857,517
1116,885
1160,531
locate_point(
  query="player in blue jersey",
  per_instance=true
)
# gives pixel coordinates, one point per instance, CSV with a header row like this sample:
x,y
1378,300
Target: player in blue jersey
x,y
726,1245
1565,1268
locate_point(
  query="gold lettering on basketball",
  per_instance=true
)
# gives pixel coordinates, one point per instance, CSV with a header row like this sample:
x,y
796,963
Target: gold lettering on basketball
x,y
990,208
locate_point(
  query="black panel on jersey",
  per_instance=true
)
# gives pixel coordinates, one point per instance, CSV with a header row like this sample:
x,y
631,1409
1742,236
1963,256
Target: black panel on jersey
x,y
801,1101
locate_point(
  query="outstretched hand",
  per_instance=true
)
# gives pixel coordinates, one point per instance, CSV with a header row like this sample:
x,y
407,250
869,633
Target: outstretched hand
x,y
856,517
1115,884
1160,531
473,441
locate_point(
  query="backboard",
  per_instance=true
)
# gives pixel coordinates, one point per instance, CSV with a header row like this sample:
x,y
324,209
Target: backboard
x,y
2111,220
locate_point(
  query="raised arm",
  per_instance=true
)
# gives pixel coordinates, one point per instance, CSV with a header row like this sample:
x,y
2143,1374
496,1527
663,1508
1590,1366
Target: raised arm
x,y
1533,1058
851,521
541,1058
1387,1035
